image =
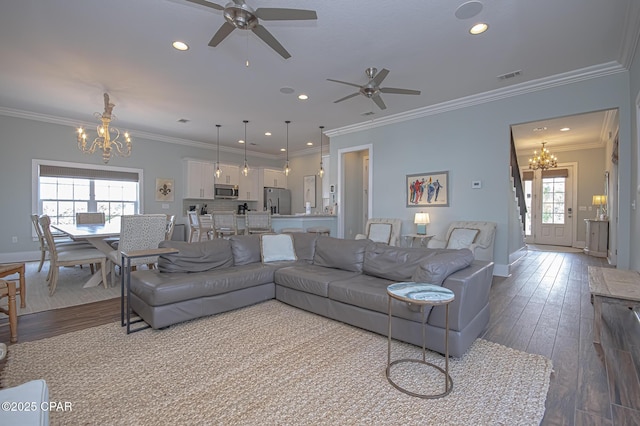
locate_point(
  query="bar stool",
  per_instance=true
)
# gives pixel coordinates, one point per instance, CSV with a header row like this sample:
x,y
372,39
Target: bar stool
x,y
8,289
8,269
319,230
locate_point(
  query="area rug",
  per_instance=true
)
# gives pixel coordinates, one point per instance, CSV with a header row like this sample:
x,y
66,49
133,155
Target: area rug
x,y
69,291
271,364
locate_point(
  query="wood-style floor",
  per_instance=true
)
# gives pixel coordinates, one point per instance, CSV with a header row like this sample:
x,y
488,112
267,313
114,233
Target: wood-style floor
x,y
543,307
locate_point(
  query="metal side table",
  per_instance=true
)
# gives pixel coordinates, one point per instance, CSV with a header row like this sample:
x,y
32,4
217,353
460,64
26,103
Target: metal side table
x,y
421,294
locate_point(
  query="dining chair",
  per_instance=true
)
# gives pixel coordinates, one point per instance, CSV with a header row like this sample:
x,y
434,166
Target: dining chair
x,y
225,223
199,226
8,269
85,218
171,224
62,241
258,222
79,256
8,290
138,232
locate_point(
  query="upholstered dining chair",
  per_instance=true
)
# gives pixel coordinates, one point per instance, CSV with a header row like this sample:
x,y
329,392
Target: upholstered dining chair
x,y
200,227
258,222
225,223
80,256
138,232
85,218
8,290
171,225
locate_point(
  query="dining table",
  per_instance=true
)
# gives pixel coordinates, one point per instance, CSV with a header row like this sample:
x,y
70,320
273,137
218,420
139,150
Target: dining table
x,y
95,234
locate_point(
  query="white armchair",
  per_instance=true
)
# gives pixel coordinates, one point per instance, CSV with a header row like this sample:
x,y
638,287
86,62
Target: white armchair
x,y
382,230
476,236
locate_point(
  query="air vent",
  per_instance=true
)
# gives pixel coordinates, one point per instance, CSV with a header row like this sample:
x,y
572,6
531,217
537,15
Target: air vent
x,y
368,113
183,120
510,75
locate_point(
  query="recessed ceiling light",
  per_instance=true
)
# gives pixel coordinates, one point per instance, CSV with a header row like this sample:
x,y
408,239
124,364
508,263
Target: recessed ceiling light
x,y
479,28
267,133
240,141
183,120
303,97
283,149
565,129
179,45
309,143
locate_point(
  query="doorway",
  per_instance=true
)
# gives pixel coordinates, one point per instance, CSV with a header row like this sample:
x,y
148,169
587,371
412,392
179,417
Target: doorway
x,y
355,174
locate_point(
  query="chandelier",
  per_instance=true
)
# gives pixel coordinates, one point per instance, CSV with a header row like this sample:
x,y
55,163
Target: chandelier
x,y
108,137
543,161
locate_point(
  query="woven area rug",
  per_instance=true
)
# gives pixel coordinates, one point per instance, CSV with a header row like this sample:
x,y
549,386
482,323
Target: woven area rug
x,y
69,291
271,364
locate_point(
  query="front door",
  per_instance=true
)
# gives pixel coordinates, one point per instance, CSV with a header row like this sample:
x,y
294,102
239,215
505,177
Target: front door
x,y
552,207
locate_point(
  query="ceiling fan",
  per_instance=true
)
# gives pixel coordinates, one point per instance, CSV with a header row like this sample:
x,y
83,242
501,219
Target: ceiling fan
x,y
241,16
372,89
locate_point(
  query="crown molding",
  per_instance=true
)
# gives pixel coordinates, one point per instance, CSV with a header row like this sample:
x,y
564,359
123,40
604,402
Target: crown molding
x,y
630,34
486,97
28,115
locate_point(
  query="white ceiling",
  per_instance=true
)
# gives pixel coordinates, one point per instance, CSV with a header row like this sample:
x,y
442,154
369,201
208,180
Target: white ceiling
x,y
58,57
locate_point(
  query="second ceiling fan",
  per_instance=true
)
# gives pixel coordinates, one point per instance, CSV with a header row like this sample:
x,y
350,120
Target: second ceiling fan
x,y
372,89
241,16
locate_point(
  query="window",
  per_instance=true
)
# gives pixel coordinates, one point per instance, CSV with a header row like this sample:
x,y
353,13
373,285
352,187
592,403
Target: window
x,y
553,189
64,189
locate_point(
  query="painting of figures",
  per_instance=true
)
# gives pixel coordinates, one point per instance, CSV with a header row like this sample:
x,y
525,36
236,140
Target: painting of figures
x,y
428,189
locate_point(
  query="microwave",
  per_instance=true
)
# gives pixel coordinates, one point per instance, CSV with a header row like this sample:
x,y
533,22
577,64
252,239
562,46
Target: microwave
x,y
226,191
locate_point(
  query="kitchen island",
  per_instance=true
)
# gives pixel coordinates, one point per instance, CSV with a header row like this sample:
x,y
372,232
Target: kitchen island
x,y
281,221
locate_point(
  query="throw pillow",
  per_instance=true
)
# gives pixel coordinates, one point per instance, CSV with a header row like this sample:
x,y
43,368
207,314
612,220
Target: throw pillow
x,y
437,268
277,247
462,238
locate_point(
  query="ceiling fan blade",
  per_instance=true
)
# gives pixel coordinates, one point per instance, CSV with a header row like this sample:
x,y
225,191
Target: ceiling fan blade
x,y
279,14
222,33
207,4
266,36
380,76
378,100
399,91
346,97
344,82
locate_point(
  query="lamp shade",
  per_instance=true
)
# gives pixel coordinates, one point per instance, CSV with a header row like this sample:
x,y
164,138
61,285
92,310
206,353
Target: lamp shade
x,y
599,200
421,219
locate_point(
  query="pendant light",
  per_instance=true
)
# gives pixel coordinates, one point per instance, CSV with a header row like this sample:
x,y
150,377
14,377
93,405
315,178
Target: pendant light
x,y
245,168
286,165
218,171
321,171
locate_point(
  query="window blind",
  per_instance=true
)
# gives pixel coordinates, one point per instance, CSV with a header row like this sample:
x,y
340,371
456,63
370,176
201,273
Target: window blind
x,y
73,172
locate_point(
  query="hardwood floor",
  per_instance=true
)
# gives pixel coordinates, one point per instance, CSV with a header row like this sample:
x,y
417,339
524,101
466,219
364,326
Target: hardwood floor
x,y
543,307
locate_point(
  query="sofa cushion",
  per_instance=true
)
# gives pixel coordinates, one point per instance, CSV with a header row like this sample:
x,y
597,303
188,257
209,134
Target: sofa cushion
x,y
394,263
462,238
245,249
195,257
311,278
305,245
274,248
435,269
338,253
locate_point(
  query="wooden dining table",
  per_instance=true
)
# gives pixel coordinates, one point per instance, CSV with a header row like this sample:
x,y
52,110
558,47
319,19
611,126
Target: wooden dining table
x,y
95,235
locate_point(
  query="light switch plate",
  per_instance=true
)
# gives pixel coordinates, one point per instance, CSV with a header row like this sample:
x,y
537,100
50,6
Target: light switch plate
x,y
165,206
476,184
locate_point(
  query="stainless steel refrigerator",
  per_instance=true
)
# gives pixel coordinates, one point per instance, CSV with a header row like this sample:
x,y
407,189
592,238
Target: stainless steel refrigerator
x,y
277,200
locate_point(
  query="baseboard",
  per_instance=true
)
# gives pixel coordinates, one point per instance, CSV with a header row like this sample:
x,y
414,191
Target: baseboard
x,y
21,256
500,270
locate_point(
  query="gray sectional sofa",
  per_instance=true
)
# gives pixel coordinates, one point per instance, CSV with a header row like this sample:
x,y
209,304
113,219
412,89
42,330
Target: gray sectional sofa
x,y
341,279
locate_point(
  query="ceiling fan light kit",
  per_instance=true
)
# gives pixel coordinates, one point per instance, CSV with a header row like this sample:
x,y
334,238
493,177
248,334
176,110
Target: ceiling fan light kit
x,y
238,14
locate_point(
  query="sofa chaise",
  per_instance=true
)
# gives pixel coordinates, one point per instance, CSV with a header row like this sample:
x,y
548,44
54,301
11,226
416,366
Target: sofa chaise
x,y
345,280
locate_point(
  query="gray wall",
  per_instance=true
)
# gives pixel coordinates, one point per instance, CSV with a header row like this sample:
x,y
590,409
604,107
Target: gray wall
x,y
634,155
472,143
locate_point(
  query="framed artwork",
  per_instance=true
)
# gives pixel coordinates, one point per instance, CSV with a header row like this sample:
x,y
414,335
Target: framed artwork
x,y
164,189
427,189
309,190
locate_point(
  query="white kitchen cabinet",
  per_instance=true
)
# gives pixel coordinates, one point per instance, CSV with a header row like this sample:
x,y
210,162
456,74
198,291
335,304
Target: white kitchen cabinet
x,y
249,187
199,179
597,241
230,174
274,178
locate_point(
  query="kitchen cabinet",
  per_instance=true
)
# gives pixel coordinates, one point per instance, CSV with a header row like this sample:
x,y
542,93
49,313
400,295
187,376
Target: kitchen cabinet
x,y
230,175
249,187
274,178
199,179
597,241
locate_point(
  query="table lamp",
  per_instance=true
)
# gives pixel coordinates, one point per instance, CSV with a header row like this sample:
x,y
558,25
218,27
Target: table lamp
x,y
601,202
421,219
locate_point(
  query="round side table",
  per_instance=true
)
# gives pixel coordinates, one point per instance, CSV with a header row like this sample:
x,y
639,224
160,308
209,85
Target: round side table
x,y
421,294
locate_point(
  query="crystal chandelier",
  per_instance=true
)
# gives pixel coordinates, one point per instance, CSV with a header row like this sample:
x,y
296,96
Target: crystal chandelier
x,y
108,137
543,161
